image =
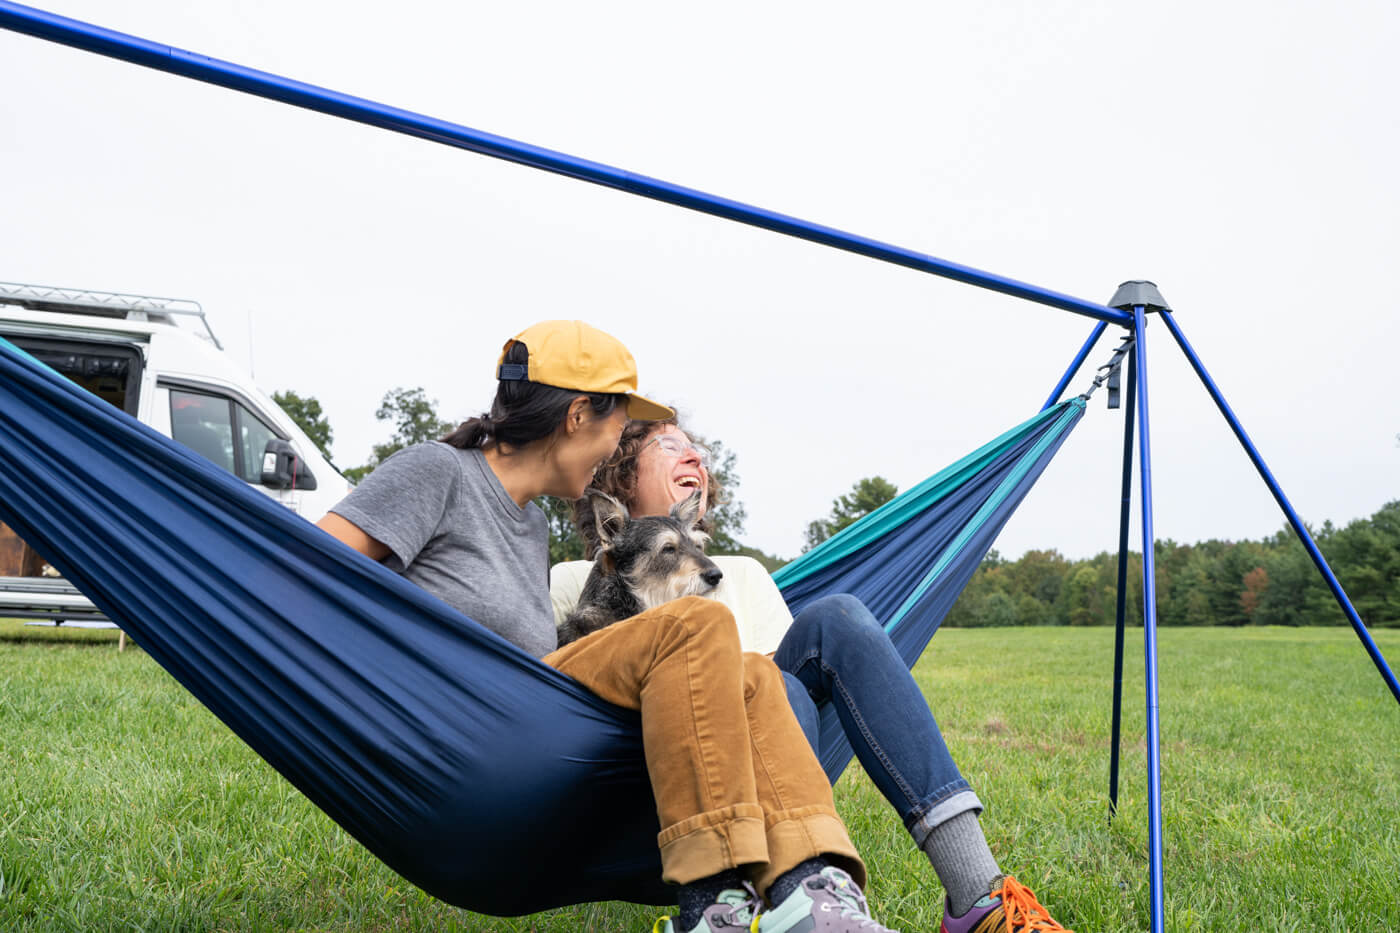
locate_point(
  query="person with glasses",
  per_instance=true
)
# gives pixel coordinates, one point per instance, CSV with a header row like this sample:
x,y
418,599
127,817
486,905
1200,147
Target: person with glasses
x,y
742,803
833,651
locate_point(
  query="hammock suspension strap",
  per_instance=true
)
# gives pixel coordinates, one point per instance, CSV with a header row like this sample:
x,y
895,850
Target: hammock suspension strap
x,y
1111,372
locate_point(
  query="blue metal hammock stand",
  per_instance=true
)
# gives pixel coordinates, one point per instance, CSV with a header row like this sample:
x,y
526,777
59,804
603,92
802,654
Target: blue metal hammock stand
x,y
1129,309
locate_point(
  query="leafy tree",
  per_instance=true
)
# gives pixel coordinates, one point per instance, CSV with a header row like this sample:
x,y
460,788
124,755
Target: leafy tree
x,y
1170,561
728,515
415,420
1031,611
866,496
306,412
564,540
1084,597
770,562
1291,576
1267,582
1256,583
1365,555
1039,578
999,609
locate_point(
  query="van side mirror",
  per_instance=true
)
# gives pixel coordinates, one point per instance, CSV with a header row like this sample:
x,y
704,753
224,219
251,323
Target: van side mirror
x,y
283,469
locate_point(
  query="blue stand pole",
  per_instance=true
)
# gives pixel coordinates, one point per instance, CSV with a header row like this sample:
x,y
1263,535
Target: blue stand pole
x,y
1074,367
80,35
1124,515
1149,626
1337,592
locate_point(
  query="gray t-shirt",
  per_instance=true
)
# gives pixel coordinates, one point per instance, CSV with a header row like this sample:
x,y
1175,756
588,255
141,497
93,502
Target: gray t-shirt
x,y
451,528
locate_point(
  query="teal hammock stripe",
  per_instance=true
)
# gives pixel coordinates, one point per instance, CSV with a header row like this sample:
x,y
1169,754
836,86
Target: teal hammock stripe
x,y
1069,412
21,352
908,560
907,505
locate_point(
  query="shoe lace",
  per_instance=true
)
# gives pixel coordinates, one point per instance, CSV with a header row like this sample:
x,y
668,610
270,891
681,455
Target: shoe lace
x,y
1023,911
850,902
743,910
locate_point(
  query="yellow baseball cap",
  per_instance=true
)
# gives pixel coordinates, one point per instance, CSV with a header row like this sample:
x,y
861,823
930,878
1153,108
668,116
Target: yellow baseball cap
x,y
572,355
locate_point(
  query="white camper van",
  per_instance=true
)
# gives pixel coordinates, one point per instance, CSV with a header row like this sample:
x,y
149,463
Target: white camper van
x,y
158,360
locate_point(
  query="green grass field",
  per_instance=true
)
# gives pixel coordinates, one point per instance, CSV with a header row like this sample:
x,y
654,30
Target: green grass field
x,y
124,805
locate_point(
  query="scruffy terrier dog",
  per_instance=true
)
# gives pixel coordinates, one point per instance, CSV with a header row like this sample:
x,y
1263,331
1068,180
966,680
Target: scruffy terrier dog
x,y
642,563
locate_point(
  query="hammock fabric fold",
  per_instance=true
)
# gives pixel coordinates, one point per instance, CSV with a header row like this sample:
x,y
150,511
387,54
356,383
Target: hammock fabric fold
x,y
479,774
909,559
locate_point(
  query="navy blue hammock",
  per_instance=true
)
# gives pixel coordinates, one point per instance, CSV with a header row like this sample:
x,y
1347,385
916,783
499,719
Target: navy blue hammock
x,y
442,748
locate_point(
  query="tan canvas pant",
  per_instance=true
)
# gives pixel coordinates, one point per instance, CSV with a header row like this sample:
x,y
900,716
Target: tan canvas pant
x,y
735,781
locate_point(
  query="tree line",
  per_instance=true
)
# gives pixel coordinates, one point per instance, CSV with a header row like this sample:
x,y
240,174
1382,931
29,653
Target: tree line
x,y
1266,582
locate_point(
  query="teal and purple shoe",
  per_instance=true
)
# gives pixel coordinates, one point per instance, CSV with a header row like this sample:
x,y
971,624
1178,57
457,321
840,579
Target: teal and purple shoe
x,y
1009,908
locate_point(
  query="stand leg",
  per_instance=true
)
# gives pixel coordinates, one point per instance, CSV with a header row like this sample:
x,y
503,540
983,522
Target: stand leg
x,y
1149,626
1074,367
1124,514
1337,592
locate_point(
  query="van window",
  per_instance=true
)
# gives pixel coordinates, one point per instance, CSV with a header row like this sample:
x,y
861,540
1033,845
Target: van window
x,y
110,371
255,436
204,424
208,423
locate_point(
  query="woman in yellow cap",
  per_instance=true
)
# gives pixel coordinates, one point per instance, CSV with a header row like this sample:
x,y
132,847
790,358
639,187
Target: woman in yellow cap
x,y
742,801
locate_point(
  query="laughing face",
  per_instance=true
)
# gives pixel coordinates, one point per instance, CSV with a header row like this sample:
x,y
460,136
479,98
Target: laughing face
x,y
669,469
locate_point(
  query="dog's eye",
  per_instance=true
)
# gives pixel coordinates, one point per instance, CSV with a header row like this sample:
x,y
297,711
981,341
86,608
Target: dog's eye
x,y
669,549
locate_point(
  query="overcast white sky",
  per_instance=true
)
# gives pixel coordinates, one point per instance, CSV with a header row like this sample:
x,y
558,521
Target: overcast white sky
x,y
1242,155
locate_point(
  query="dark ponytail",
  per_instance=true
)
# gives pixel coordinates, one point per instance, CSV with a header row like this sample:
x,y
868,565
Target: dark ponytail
x,y
525,411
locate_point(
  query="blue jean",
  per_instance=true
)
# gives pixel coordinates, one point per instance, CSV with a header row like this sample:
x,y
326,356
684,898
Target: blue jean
x,y
837,652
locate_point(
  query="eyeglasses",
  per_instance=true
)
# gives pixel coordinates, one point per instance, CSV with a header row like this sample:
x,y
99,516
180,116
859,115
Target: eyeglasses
x,y
676,448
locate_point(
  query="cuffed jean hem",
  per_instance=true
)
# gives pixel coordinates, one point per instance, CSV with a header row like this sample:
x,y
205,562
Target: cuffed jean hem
x,y
943,811
807,832
708,843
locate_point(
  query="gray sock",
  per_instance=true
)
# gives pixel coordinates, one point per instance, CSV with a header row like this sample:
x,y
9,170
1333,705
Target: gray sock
x,y
959,854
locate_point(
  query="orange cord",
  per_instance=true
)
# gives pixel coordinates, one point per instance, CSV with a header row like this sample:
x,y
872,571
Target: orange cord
x,y
1023,911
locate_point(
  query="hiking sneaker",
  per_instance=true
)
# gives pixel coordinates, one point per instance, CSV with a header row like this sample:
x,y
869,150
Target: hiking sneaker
x,y
735,910
825,902
1009,908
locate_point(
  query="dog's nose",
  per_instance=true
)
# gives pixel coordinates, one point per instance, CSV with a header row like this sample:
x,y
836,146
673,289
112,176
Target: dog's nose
x,y
712,576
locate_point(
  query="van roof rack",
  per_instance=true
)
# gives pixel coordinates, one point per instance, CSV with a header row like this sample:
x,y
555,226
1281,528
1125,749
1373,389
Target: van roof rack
x,y
106,304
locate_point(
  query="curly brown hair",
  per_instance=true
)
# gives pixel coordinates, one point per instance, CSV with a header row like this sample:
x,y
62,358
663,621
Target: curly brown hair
x,y
618,478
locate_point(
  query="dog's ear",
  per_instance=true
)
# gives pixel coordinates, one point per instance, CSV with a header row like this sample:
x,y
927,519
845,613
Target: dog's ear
x,y
609,515
687,511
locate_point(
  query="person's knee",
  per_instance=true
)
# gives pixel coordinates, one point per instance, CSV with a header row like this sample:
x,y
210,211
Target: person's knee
x,y
698,619
844,616
760,673
704,612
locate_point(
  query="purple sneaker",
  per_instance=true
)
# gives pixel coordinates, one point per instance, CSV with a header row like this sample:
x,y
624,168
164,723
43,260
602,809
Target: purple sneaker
x,y
1009,908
